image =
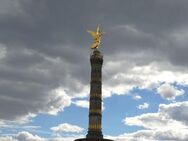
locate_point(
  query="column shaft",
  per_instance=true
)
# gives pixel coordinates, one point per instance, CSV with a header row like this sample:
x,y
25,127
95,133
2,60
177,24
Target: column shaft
x,y
95,108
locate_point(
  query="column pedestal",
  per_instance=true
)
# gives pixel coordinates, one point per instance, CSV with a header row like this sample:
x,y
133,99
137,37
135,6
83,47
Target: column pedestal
x,y
87,139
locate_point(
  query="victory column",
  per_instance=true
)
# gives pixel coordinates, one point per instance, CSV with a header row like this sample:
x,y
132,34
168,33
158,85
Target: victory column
x,y
95,107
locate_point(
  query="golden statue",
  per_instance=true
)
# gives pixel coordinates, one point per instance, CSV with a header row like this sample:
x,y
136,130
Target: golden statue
x,y
96,37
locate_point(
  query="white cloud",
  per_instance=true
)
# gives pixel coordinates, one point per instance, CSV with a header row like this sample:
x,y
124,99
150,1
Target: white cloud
x,y
154,121
71,138
136,97
169,92
169,123
66,127
58,100
85,104
168,117
154,135
143,106
27,136
81,103
142,135
55,102
7,138
148,76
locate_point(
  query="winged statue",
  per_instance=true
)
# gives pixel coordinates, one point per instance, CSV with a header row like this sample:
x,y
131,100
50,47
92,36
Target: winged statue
x,y
96,37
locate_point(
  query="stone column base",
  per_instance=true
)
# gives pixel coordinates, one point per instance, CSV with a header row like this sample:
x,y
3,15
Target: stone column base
x,y
93,139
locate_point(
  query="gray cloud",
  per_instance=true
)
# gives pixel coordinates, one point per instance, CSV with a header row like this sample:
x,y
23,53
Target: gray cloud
x,y
47,47
176,111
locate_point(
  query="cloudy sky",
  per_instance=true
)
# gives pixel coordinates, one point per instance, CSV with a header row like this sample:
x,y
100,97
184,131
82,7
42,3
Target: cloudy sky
x,y
45,70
